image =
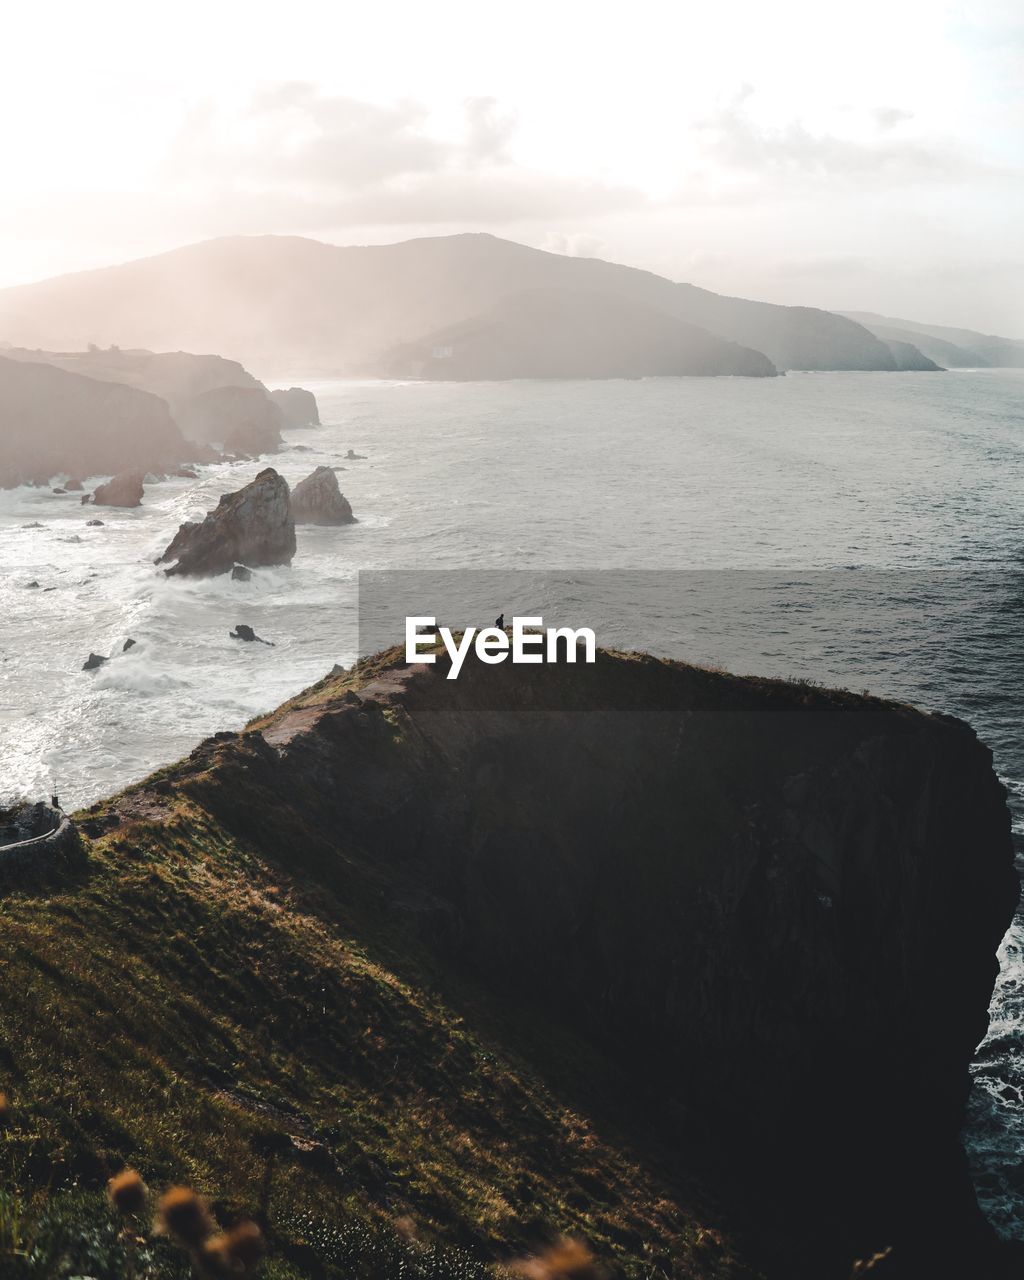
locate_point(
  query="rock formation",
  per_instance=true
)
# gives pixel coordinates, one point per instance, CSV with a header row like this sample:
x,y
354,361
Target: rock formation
x,y
318,500
243,631
124,490
243,420
778,906
94,661
298,407
56,422
253,526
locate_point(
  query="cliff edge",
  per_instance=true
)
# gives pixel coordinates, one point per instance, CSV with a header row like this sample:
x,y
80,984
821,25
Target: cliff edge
x,y
688,964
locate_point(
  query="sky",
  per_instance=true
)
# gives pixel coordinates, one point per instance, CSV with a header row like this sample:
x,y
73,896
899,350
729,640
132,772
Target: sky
x,y
858,157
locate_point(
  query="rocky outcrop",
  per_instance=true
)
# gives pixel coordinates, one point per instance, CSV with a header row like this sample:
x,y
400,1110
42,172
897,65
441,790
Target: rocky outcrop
x,y
123,490
253,526
243,420
298,407
778,906
318,500
174,376
56,423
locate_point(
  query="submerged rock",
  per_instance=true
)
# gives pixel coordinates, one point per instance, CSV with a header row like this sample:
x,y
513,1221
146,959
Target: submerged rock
x,y
253,526
244,632
128,644
93,661
124,490
93,524
241,574
298,407
318,500
352,456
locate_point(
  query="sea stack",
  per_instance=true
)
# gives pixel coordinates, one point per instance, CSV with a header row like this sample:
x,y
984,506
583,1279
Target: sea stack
x,y
298,407
123,490
253,526
318,500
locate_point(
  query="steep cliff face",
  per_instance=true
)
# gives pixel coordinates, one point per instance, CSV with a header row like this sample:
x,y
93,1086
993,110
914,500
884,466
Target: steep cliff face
x,y
781,907
53,422
689,965
253,526
241,419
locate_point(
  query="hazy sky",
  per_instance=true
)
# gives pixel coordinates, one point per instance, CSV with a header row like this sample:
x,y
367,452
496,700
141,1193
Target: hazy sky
x,y
868,155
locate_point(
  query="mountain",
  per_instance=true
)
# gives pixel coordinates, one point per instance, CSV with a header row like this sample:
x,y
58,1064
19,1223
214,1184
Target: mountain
x,y
292,304
688,965
564,334
910,358
57,423
954,348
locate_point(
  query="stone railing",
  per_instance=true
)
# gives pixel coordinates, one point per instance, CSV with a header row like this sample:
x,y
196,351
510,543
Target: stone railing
x,y
55,846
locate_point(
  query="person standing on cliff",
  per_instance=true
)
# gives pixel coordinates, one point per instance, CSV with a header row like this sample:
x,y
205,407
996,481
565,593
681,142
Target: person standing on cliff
x,y
499,622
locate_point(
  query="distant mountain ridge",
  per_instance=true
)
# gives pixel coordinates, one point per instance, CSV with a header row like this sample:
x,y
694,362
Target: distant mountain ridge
x,y
954,348
278,302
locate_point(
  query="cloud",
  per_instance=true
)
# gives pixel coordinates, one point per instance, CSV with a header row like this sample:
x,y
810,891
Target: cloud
x,y
731,138
293,158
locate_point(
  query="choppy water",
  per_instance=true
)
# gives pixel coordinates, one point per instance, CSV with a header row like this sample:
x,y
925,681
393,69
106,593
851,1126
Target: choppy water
x,y
823,478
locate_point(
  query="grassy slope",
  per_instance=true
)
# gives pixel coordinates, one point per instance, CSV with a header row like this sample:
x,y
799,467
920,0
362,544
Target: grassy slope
x,y
191,1005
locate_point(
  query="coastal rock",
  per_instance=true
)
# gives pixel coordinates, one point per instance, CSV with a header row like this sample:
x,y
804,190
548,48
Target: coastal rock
x,y
123,490
253,526
298,407
60,490
73,486
352,456
93,524
778,906
58,423
241,574
94,661
243,420
318,500
244,632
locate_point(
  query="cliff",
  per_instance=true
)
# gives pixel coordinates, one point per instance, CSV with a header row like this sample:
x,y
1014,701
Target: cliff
x,y
53,422
243,295
174,376
687,964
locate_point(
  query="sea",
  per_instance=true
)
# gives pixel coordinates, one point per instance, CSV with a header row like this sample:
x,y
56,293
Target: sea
x,y
860,529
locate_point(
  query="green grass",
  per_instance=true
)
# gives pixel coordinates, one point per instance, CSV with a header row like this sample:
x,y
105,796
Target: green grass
x,y
226,1004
